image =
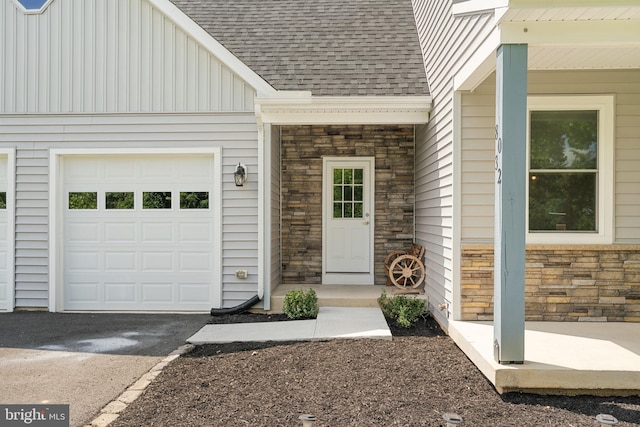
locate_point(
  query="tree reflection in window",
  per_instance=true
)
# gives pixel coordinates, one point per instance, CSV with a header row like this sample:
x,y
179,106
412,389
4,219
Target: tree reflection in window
x,y
156,200
83,200
119,200
563,169
194,200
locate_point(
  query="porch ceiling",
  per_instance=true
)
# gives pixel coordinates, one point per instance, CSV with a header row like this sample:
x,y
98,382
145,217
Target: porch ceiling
x,y
559,38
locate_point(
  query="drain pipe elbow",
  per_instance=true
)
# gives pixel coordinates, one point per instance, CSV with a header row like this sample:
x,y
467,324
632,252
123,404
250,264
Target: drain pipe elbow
x,y
238,308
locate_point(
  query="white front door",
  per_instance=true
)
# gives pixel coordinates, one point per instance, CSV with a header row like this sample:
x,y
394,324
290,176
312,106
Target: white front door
x,y
348,220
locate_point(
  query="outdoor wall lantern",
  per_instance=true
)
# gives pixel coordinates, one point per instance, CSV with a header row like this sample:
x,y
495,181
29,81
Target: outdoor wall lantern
x,y
240,175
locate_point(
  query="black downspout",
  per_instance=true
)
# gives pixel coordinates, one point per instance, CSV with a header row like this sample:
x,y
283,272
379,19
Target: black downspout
x,y
237,309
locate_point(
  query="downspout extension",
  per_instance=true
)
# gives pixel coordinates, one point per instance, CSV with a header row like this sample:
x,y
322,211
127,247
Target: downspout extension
x,y
238,308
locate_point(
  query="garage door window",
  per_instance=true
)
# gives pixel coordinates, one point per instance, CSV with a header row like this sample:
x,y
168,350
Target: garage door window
x,y
194,200
83,200
156,200
3,200
120,200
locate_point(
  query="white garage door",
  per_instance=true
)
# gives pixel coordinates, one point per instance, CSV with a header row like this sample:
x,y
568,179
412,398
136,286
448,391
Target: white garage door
x,y
5,298
139,232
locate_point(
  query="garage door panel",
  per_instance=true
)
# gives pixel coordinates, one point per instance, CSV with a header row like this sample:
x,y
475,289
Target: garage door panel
x,y
86,170
157,292
123,231
159,168
157,261
82,292
121,256
120,292
193,292
195,261
88,261
195,232
195,170
123,169
120,261
157,232
79,232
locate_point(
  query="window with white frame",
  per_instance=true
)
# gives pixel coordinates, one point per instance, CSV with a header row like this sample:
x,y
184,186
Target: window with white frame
x,y
570,169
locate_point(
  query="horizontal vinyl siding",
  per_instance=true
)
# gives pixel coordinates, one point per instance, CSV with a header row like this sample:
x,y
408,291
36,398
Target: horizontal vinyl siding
x,y
446,43
34,136
108,56
32,227
478,146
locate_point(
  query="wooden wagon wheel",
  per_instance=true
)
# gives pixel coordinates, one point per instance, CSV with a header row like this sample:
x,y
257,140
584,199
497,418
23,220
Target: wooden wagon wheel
x,y
388,260
407,271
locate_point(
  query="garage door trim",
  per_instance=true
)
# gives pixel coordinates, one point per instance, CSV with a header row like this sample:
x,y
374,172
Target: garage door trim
x,y
10,154
56,216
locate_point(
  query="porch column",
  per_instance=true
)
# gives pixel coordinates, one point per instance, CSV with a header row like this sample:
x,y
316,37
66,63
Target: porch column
x,y
510,203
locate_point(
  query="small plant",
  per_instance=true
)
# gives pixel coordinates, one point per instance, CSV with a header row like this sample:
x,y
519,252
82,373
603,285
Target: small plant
x,y
404,311
301,304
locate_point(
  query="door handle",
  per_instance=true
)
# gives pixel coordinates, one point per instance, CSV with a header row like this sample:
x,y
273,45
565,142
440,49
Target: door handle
x,y
366,223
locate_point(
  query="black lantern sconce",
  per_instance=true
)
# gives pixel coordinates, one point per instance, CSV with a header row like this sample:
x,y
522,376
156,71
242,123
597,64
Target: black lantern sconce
x,y
240,175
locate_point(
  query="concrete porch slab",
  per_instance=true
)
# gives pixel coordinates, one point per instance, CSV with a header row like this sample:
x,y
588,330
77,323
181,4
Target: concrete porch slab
x,y
560,357
331,323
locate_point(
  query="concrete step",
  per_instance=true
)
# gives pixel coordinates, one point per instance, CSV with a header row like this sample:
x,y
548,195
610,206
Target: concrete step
x,y
333,295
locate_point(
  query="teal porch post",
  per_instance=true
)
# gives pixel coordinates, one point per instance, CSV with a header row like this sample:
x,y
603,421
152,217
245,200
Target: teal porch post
x,y
510,203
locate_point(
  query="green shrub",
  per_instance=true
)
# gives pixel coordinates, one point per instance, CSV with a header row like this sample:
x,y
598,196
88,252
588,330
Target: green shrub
x,y
404,311
301,304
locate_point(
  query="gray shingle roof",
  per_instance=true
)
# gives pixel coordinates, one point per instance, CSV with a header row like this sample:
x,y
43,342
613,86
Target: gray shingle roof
x,y
330,47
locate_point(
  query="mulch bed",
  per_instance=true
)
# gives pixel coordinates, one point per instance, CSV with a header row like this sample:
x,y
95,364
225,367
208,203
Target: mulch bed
x,y
412,380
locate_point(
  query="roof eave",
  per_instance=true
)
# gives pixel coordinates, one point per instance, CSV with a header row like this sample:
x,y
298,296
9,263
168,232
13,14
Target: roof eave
x,y
298,108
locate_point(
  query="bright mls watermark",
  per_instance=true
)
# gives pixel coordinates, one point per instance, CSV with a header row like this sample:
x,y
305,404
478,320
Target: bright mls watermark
x,y
34,415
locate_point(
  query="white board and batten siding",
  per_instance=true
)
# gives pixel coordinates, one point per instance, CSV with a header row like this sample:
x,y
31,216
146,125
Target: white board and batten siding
x,y
478,121
119,75
97,56
447,43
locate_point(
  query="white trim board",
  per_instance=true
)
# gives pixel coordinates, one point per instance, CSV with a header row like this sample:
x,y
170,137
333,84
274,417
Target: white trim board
x,y
301,108
10,153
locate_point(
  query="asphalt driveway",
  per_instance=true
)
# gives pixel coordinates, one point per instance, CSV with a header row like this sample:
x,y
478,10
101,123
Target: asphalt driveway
x,y
84,359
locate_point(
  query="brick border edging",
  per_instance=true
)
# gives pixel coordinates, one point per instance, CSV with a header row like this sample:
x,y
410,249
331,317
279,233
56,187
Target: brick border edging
x,y
112,410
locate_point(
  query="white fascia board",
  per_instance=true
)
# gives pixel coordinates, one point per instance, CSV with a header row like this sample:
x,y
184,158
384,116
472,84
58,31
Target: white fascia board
x,y
472,7
481,64
531,4
205,39
571,33
301,108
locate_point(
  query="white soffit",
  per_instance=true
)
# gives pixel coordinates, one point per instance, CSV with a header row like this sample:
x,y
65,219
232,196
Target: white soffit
x,y
297,108
560,38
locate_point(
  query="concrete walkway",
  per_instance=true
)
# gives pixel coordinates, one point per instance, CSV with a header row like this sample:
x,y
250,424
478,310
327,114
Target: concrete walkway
x,y
331,323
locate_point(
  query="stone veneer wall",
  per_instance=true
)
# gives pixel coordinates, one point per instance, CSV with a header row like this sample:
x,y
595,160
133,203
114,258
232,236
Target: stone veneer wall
x,y
302,149
562,283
